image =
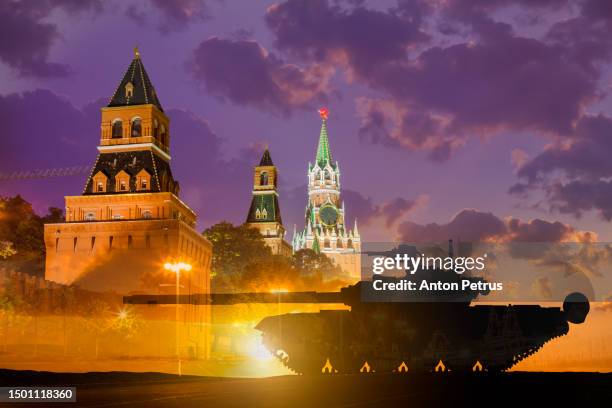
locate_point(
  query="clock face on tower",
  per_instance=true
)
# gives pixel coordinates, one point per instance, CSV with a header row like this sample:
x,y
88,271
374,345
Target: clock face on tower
x,y
328,215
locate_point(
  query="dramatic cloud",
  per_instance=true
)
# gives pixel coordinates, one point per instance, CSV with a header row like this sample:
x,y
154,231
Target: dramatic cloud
x,y
476,226
574,172
436,95
366,211
244,73
215,187
174,14
27,39
363,39
61,135
68,131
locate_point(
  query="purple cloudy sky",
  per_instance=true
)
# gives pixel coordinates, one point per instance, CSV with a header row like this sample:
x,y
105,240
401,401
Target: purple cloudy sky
x,y
478,119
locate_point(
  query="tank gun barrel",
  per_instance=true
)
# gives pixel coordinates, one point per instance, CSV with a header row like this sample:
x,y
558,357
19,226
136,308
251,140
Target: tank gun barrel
x,y
235,298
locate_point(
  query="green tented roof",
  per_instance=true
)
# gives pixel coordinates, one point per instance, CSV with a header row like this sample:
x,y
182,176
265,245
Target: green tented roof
x,y
323,151
269,202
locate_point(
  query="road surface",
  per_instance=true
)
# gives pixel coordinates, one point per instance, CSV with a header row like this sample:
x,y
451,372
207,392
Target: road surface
x,y
366,390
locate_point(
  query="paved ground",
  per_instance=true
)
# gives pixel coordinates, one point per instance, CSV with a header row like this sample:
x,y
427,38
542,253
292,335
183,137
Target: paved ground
x,y
367,390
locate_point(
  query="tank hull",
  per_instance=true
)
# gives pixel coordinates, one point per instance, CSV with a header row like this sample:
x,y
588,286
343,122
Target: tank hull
x,y
411,337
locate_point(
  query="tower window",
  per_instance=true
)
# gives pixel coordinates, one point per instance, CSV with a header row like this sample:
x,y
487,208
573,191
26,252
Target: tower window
x,y
147,214
163,136
143,180
155,128
136,127
263,178
129,90
122,181
90,216
99,182
117,132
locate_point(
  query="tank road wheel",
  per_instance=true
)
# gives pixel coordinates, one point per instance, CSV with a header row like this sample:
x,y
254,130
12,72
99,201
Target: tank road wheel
x,y
308,365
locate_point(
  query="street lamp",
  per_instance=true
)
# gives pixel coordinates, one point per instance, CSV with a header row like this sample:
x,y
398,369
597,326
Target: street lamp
x,y
177,267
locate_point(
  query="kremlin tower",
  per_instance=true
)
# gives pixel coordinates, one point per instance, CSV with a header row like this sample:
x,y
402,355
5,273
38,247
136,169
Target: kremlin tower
x,y
325,224
264,212
129,220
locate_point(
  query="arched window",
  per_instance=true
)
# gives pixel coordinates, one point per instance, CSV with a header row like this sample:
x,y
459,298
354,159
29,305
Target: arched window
x,y
263,178
117,129
136,127
349,244
146,214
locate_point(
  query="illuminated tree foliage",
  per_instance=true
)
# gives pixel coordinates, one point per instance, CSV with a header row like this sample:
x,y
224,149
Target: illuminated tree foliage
x,y
22,234
243,263
234,247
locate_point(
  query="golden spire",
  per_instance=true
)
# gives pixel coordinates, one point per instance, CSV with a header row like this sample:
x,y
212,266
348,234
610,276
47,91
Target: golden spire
x,y
136,53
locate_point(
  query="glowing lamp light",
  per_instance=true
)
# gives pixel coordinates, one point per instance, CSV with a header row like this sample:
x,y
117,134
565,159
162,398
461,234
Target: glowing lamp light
x,y
177,267
324,112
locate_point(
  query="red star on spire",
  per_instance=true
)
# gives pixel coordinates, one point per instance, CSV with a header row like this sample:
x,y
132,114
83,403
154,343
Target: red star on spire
x,y
324,112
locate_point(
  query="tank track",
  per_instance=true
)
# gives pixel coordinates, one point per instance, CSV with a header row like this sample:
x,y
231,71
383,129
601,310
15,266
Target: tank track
x,y
315,363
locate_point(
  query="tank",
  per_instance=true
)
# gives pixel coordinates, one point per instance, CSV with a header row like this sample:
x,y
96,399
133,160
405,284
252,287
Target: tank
x,y
415,336
423,335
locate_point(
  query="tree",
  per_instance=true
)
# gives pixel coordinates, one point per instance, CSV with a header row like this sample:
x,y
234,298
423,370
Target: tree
x,y
273,273
309,262
20,225
242,262
233,248
24,230
55,216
